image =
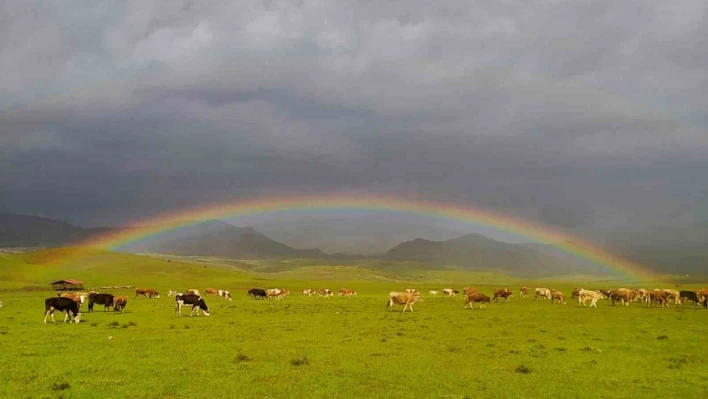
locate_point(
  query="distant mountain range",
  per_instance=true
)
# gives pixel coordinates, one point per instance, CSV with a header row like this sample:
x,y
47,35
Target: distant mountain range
x,y
220,239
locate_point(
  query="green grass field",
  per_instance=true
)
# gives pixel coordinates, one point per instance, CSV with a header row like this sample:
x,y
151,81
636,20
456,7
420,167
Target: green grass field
x,y
337,347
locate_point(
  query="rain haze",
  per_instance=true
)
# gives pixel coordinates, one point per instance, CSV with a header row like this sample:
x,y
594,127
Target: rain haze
x,y
115,112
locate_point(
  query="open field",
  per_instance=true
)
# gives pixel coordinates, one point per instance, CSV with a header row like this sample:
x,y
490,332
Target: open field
x,y
337,347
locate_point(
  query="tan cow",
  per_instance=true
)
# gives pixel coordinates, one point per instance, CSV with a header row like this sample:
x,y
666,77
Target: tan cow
x,y
587,295
557,296
449,292
347,292
119,303
673,294
407,299
308,292
478,297
544,293
211,291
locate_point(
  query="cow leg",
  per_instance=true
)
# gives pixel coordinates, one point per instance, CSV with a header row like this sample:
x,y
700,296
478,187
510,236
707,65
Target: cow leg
x,y
46,313
52,314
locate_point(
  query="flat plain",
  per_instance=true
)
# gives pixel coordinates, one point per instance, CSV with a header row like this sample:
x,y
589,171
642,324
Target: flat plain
x,y
335,347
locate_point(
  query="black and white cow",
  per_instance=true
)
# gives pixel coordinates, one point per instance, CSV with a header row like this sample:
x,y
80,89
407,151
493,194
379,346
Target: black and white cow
x,y
102,299
61,304
195,301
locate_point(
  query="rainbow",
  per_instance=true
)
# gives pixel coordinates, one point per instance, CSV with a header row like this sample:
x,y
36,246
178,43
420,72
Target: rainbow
x,y
170,221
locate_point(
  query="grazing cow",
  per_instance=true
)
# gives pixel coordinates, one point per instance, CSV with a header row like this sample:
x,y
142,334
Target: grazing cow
x,y
308,292
211,291
140,291
675,295
621,295
119,303
690,295
557,296
79,299
412,291
472,297
347,292
257,293
325,292
171,293
703,296
524,292
575,293
102,299
276,293
195,301
407,299
544,293
587,295
659,297
224,294
502,293
194,292
643,294
61,304
152,294
433,293
449,292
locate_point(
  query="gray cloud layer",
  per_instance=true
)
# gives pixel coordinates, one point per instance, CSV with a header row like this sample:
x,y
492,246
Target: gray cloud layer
x,y
590,116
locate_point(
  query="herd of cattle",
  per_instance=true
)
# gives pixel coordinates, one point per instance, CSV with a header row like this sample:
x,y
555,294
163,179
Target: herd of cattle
x,y
71,302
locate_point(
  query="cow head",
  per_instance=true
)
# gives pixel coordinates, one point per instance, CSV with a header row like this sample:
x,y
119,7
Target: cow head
x,y
203,306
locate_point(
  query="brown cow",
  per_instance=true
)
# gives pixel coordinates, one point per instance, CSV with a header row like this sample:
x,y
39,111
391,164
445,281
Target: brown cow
x,y
502,293
79,299
407,299
659,297
524,292
468,290
211,291
557,296
621,295
119,303
476,297
140,291
347,292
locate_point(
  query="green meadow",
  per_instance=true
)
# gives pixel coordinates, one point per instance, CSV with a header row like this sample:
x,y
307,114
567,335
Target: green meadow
x,y
336,347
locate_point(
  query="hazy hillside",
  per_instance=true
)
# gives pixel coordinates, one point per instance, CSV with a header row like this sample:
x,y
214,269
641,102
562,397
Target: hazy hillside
x,y
474,251
34,231
216,238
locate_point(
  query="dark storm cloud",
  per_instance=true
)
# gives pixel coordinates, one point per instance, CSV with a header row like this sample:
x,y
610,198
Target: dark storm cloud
x,y
585,116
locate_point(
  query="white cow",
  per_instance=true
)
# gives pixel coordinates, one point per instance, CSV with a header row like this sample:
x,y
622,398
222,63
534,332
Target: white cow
x,y
449,292
587,295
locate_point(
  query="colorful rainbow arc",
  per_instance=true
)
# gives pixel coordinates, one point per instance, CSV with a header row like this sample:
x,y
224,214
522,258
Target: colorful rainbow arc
x,y
467,214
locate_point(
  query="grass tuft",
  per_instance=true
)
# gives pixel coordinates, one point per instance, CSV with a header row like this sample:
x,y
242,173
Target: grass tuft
x,y
522,370
113,324
60,387
299,361
662,337
240,358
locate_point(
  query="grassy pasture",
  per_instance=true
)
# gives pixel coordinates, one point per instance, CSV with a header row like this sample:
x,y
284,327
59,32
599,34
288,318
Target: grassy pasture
x,y
337,347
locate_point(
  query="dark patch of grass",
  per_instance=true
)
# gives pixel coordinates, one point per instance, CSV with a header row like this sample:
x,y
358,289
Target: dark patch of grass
x,y
132,324
172,326
124,326
514,351
113,324
561,349
240,358
662,337
587,349
299,361
522,370
186,327
94,324
531,340
60,387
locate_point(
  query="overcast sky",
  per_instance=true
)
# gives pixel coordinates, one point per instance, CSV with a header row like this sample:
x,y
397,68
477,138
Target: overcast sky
x,y
589,115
